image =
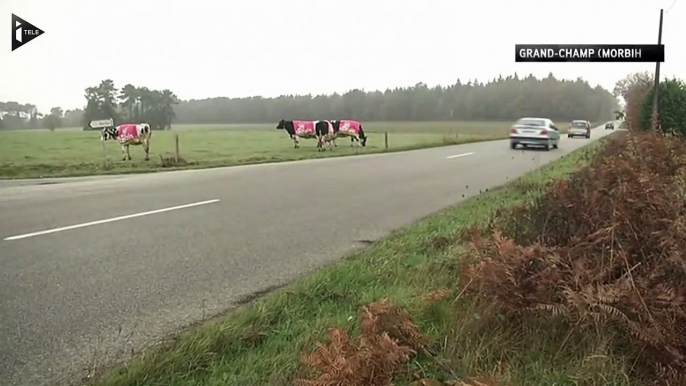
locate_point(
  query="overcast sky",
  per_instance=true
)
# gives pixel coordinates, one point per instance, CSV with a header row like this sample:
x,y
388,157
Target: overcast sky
x,y
208,48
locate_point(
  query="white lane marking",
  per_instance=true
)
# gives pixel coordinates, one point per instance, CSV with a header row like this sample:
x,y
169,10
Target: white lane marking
x,y
128,216
459,155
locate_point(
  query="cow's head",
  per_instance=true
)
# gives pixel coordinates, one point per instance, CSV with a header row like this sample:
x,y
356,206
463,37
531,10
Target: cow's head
x,y
281,125
108,133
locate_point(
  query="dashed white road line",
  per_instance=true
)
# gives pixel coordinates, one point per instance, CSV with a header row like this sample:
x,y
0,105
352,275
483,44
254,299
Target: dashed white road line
x,y
110,220
459,155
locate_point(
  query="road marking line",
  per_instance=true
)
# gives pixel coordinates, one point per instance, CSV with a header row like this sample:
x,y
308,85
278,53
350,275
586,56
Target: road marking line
x,y
459,155
128,216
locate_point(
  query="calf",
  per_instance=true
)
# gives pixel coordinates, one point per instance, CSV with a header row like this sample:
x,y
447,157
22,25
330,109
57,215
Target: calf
x,y
325,134
297,130
349,128
129,134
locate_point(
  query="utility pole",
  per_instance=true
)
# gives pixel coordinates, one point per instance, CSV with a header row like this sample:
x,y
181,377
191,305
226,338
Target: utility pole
x,y
657,76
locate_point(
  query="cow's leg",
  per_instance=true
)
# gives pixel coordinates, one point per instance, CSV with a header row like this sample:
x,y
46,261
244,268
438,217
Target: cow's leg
x,y
352,140
128,152
123,152
296,140
146,147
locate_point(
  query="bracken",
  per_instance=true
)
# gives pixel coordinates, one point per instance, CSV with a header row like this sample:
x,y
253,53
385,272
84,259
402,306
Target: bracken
x,y
604,249
389,338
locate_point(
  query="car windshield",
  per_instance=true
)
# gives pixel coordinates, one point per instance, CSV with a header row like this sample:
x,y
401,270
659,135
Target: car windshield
x,y
531,122
579,124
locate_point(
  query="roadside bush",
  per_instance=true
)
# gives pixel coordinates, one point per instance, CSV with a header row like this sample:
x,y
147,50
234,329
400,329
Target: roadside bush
x,y
633,89
604,251
671,107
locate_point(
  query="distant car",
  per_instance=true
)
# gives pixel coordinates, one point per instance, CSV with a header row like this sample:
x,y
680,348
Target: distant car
x,y
610,126
579,128
534,132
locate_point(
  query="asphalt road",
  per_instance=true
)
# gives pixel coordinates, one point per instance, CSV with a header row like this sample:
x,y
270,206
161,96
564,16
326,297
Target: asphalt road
x,y
78,298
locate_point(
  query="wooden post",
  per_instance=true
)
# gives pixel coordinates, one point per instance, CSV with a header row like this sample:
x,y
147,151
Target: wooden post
x,y
385,135
176,139
104,154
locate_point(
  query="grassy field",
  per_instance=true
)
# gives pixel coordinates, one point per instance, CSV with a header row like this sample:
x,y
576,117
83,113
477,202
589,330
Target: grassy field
x,y
436,127
27,154
72,152
258,344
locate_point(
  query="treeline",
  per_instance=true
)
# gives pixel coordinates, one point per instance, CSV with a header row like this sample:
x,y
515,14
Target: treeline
x,y
503,98
130,104
500,99
15,115
637,89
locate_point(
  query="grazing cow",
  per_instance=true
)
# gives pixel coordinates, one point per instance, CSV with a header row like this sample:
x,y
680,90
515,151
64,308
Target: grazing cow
x,y
129,134
297,130
325,134
349,128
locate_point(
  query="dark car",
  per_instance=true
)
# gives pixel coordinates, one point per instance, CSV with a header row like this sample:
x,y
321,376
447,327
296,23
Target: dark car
x,y
610,126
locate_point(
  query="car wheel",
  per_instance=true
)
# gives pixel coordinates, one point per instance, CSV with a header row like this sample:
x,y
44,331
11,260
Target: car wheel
x,y
547,146
513,145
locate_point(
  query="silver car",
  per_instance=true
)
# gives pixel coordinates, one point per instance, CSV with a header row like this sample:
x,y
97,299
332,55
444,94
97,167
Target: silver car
x,y
579,128
534,132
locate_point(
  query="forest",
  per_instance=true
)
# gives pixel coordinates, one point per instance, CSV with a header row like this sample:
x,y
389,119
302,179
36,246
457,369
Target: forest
x,y
502,98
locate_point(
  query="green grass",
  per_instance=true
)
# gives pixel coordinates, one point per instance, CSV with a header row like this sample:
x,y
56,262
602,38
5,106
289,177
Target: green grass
x,y
497,128
35,153
258,343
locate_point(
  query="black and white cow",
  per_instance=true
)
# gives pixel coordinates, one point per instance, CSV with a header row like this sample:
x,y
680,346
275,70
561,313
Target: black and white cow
x,y
298,129
325,134
349,128
129,134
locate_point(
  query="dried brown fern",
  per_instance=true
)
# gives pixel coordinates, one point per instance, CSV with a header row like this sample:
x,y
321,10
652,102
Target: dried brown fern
x,y
389,338
603,249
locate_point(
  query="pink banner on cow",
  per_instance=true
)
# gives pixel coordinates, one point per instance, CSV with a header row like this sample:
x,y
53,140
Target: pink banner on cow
x,y
127,132
303,128
352,127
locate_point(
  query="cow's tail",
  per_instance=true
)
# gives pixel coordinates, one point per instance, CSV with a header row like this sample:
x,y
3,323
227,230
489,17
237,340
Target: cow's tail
x,y
363,136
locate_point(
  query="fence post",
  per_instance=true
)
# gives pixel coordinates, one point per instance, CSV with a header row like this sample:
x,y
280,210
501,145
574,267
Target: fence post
x,y
176,139
104,154
385,135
